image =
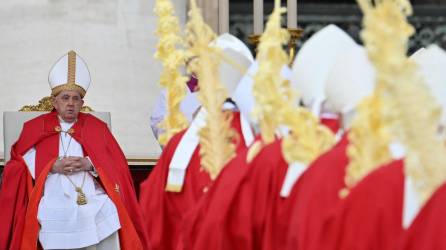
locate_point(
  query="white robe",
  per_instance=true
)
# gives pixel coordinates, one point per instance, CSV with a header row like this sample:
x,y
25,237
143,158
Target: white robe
x,y
63,223
188,106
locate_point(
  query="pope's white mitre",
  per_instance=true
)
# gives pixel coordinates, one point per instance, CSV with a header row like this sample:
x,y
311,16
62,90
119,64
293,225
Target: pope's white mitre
x,y
70,72
431,63
315,60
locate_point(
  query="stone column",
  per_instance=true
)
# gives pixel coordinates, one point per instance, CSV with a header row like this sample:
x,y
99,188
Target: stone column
x,y
223,14
216,14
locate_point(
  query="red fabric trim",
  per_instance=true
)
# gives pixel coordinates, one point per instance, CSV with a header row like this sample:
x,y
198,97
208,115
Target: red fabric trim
x,y
31,230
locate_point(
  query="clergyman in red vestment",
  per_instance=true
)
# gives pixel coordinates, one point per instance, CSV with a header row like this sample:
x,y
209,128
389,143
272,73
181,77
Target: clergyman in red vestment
x,y
67,185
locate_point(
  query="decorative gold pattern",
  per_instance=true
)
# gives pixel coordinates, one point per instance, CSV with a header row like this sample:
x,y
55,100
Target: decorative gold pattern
x,y
216,137
295,35
71,67
170,53
45,104
58,129
81,198
254,39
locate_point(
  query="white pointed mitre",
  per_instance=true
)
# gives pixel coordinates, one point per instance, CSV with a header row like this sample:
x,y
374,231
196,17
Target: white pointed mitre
x,y
243,95
351,78
236,60
432,63
70,72
315,59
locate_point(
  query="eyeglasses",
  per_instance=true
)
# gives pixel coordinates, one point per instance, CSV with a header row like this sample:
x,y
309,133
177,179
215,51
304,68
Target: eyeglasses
x,y
74,99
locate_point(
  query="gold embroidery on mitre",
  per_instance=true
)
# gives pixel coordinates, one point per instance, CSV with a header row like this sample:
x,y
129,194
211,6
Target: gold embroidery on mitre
x,y
71,78
45,104
71,67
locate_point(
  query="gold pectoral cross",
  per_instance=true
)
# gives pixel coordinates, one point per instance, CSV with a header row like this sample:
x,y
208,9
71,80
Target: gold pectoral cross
x,y
81,199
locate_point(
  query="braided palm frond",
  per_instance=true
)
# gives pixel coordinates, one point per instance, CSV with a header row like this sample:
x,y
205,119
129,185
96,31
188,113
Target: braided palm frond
x,y
277,101
414,115
268,81
308,139
216,137
172,57
371,129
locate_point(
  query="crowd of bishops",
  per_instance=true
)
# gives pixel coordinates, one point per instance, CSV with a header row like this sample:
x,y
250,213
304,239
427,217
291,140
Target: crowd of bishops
x,y
341,147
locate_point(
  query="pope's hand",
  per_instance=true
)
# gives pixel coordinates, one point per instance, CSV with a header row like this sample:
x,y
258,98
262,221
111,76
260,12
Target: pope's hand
x,y
72,164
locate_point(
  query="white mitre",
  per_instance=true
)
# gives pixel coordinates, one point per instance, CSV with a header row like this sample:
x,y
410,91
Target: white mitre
x,y
243,95
235,62
70,72
350,80
315,60
432,63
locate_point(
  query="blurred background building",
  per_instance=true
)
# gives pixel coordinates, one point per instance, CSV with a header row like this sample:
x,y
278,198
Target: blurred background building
x,y
115,38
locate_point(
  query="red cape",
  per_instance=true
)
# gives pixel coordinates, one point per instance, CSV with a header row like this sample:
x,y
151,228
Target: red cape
x,y
20,197
164,211
428,230
244,209
370,217
233,213
316,193
331,123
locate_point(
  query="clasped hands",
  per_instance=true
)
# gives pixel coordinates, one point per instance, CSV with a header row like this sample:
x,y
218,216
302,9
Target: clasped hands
x,y
71,165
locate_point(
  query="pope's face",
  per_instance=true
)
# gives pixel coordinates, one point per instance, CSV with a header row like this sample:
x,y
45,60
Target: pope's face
x,y
68,105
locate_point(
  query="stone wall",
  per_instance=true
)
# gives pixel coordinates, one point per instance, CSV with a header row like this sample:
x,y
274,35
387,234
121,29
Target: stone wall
x,y
429,21
115,38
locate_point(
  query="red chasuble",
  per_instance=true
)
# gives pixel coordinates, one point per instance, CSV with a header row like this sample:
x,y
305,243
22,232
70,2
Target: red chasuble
x,y
244,209
20,195
331,122
163,210
428,230
233,214
314,196
370,217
